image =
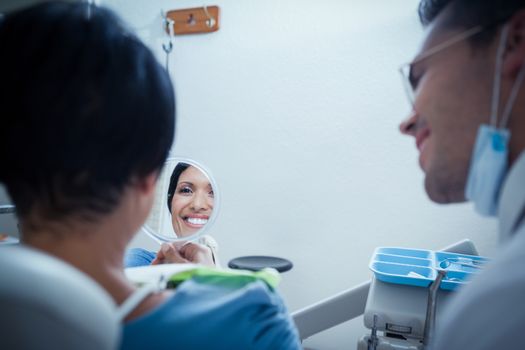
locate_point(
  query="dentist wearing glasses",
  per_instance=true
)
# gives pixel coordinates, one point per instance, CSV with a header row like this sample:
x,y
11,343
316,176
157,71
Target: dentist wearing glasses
x,y
468,121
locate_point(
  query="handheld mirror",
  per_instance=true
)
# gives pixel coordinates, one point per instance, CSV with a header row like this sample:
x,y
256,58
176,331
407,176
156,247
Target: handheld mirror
x,y
186,202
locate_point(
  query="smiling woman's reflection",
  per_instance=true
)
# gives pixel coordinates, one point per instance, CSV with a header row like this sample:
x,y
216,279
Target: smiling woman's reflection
x,y
190,201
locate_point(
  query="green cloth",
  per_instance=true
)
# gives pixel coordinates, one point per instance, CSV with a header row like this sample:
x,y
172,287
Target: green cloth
x,y
232,278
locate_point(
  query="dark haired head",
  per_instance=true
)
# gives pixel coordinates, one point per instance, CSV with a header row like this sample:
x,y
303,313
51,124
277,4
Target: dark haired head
x,y
87,109
467,14
174,180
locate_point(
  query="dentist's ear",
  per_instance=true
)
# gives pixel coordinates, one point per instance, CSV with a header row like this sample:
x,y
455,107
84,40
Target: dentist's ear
x,y
514,57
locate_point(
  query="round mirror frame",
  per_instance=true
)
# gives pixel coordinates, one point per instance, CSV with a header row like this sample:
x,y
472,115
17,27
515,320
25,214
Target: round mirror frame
x,y
160,238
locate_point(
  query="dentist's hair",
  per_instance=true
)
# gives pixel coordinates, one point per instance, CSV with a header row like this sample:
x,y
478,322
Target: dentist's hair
x,y
467,14
86,110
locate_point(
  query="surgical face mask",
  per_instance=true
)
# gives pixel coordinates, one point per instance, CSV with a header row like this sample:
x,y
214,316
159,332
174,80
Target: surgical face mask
x,y
488,165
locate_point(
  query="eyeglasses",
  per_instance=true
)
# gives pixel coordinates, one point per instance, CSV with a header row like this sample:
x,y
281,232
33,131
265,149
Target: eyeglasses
x,y
406,69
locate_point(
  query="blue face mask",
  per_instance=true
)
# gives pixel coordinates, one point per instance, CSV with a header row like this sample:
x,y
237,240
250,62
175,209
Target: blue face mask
x,y
488,165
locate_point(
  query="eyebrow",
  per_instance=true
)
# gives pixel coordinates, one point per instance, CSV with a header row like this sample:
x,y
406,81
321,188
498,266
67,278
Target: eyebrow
x,y
187,183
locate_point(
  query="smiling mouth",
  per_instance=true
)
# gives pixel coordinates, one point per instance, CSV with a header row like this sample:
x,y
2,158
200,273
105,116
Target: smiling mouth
x,y
195,221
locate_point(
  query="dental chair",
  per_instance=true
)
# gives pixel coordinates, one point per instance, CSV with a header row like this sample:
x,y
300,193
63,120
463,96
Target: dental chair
x,y
48,304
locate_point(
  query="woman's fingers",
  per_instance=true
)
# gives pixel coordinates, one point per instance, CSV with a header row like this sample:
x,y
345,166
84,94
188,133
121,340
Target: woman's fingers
x,y
159,259
170,254
197,254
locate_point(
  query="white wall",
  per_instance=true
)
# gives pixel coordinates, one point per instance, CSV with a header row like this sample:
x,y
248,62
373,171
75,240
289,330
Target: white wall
x,y
294,106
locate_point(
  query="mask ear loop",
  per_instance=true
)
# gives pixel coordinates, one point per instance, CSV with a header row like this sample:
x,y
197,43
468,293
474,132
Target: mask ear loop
x,y
496,90
513,95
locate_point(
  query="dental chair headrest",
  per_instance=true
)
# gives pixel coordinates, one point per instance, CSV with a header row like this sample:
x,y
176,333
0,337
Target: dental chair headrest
x,y
48,304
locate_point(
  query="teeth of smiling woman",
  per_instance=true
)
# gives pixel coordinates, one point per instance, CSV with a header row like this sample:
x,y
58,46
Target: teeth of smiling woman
x,y
197,221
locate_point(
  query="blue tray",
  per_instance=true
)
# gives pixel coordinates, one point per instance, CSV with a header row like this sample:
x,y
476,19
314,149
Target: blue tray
x,y
418,267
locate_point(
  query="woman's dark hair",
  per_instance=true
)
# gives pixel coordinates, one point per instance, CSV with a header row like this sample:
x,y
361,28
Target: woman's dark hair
x,y
174,180
86,110
470,13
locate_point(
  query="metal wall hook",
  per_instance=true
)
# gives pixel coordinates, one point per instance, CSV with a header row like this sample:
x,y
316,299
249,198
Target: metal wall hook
x,y
169,26
210,22
167,47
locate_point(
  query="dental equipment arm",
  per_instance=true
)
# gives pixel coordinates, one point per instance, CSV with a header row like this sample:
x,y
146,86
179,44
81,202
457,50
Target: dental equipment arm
x,y
350,303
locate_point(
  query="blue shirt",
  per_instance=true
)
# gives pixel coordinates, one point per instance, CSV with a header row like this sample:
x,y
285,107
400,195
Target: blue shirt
x,y
138,257
215,316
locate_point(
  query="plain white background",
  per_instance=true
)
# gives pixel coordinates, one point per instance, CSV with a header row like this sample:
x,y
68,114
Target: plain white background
x,y
294,106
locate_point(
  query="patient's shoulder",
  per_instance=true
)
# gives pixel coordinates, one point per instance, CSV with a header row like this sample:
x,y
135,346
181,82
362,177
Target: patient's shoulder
x,y
219,315
237,301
